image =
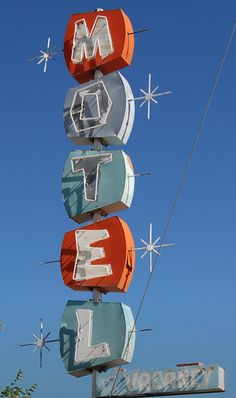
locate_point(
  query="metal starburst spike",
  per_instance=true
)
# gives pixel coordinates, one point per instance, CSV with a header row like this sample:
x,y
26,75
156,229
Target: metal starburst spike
x,y
46,55
40,343
149,96
150,247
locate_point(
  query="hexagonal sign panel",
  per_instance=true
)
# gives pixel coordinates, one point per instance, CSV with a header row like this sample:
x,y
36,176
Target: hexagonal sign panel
x,y
96,335
98,40
100,255
102,109
97,182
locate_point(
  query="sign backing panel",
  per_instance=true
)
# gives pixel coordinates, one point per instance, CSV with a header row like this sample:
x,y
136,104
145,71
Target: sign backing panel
x,y
99,256
96,335
97,182
152,383
98,40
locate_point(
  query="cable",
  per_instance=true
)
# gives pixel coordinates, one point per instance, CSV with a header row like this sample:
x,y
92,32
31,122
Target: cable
x,y
181,184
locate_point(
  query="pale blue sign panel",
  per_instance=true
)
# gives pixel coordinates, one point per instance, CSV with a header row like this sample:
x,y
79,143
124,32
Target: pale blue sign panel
x,y
102,109
96,335
97,181
150,383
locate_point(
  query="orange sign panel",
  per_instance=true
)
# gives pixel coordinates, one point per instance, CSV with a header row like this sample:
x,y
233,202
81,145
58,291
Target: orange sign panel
x,y
99,255
100,40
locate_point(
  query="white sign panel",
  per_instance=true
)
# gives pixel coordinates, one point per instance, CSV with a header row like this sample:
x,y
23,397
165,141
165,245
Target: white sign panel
x,y
150,383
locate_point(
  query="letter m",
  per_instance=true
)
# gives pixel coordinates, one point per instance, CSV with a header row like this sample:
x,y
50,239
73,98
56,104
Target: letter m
x,y
86,45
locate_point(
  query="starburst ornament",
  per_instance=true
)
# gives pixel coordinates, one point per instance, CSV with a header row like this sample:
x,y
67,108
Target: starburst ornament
x,y
46,55
40,343
150,247
150,95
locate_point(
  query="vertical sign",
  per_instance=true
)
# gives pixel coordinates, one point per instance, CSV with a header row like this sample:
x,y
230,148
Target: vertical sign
x,y
95,184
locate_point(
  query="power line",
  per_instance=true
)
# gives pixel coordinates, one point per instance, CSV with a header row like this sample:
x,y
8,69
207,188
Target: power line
x,y
182,181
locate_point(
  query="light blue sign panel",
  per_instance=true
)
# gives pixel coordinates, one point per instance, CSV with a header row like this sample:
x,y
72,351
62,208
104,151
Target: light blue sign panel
x,y
101,109
96,335
97,181
150,383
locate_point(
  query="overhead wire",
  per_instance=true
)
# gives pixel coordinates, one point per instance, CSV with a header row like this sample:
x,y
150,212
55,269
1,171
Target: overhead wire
x,y
181,185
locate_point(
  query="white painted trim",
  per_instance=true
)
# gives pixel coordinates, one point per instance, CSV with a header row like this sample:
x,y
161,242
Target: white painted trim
x,y
84,351
82,92
103,45
83,269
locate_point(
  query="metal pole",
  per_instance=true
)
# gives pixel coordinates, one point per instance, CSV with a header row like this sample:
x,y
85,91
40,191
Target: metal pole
x,y
97,296
94,382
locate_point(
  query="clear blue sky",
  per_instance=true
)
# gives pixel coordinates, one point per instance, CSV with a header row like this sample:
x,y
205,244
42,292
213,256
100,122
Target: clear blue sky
x,y
191,301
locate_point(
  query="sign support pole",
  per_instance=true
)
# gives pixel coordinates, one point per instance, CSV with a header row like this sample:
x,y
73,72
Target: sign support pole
x,y
94,382
96,296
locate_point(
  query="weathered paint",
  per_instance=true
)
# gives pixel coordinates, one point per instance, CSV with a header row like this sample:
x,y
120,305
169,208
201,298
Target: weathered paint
x,y
99,256
98,40
101,109
96,335
97,181
150,383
